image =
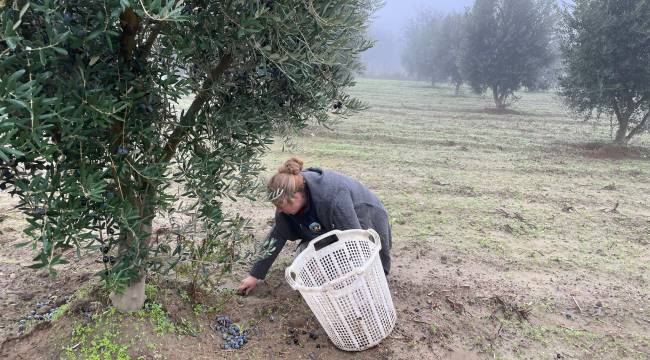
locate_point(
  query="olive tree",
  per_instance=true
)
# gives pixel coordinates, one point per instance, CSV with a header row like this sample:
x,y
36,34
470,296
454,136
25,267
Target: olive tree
x,y
606,48
420,40
507,45
92,133
447,49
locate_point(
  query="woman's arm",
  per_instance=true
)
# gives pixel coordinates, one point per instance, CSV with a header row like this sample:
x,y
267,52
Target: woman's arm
x,y
276,239
263,264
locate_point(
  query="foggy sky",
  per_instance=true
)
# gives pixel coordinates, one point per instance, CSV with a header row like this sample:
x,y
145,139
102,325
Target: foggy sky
x,y
387,28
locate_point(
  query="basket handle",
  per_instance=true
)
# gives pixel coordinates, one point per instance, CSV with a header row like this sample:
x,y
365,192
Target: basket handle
x,y
327,235
374,236
290,276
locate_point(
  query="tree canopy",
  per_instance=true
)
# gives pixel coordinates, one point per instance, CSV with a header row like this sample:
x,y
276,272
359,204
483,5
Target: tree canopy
x,y
94,138
432,48
417,57
606,48
506,46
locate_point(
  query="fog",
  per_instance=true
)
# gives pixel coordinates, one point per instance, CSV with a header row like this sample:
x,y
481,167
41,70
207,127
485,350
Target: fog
x,y
387,29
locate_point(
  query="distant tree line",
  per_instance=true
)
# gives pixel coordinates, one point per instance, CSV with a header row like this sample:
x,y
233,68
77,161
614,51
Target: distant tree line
x,y
596,52
497,45
433,48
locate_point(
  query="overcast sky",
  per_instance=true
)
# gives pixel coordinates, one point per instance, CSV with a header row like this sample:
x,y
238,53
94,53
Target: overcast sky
x,y
396,13
387,28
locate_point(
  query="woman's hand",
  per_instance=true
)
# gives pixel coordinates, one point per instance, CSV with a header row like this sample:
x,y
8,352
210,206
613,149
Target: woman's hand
x,y
247,285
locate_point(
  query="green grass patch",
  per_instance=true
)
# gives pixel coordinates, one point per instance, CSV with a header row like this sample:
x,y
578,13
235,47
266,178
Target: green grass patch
x,y
158,317
99,340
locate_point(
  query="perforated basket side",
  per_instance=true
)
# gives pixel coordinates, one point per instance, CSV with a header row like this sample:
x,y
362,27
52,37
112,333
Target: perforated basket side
x,y
319,270
345,287
357,316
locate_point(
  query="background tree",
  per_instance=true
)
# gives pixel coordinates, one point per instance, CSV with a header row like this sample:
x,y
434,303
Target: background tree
x,y
447,49
421,36
507,45
432,48
93,141
606,48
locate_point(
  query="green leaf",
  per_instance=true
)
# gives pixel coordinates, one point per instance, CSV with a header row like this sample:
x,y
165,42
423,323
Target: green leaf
x,y
18,103
24,9
13,151
17,24
13,77
12,41
60,51
93,35
4,157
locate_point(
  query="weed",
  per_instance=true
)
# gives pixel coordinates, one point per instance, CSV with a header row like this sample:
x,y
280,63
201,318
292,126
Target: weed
x,y
185,296
198,310
158,317
150,291
60,311
187,328
99,340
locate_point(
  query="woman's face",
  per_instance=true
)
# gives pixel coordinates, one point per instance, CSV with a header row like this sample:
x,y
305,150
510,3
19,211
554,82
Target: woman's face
x,y
292,207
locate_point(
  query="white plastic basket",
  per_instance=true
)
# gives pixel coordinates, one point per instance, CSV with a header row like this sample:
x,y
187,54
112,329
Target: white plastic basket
x,y
345,287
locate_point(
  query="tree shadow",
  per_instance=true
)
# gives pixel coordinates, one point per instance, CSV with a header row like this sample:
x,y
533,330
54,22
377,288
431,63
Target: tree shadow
x,y
607,151
495,111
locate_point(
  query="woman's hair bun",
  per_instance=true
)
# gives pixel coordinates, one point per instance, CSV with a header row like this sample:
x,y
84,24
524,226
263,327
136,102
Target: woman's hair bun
x,y
292,166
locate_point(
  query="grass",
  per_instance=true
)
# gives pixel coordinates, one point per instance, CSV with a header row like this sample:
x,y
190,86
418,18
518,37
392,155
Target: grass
x,y
444,164
414,137
100,339
104,336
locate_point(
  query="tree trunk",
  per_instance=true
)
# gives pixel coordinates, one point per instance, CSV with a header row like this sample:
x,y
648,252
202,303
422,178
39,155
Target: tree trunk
x,y
133,297
498,101
623,124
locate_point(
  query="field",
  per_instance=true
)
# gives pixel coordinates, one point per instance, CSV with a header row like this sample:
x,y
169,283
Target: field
x,y
516,236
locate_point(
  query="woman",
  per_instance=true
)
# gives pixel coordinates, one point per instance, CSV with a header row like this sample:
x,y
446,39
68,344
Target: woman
x,y
312,202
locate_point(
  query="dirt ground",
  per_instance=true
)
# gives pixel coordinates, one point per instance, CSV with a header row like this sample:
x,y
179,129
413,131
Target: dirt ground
x,y
516,236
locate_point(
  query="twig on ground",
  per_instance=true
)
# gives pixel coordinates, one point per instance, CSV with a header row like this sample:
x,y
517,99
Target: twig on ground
x,y
420,321
613,210
576,302
498,333
515,215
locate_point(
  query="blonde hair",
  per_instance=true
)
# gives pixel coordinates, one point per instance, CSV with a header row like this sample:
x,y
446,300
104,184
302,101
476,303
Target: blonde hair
x,y
286,182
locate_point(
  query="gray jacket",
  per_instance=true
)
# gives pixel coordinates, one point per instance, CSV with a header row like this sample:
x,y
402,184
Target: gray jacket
x,y
341,203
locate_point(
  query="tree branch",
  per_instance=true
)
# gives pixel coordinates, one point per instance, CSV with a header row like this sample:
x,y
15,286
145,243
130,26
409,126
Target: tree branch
x,y
632,107
148,44
637,129
189,118
617,111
